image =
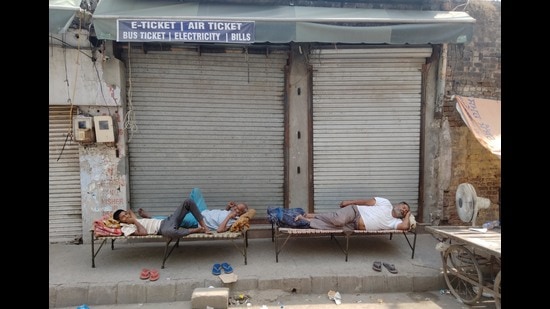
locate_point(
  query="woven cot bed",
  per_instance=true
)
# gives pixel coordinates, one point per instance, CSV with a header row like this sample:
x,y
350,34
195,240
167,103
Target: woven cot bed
x,y
283,234
234,237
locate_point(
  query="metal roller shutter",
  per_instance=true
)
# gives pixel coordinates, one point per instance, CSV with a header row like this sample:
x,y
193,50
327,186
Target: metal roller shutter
x,y
366,124
208,120
65,210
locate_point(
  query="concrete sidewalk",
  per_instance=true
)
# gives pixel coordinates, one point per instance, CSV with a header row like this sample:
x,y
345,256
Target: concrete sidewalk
x,y
306,266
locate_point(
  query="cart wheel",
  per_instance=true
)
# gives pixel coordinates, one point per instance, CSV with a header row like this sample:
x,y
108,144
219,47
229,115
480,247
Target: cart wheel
x,y
497,290
462,274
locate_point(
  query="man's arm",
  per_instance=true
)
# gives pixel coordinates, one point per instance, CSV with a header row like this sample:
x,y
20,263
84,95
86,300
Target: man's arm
x,y
369,202
406,224
223,226
141,231
230,205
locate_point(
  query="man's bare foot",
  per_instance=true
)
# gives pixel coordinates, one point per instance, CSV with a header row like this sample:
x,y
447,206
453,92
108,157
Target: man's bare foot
x,y
202,229
199,229
142,213
306,217
202,225
300,217
194,230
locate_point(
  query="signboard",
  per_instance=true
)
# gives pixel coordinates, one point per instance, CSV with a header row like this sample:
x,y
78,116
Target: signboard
x,y
216,31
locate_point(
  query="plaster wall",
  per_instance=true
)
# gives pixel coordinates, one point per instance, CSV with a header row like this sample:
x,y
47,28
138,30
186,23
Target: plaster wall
x,y
96,85
76,76
430,158
103,172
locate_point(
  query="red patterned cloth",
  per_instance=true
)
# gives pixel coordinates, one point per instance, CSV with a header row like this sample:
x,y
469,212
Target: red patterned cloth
x,y
107,226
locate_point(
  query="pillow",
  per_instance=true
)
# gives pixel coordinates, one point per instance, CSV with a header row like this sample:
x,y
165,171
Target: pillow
x,y
243,221
412,220
110,222
107,226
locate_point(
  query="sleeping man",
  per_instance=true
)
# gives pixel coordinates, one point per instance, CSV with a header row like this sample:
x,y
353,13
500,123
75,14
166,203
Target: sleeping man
x,y
169,227
219,220
373,214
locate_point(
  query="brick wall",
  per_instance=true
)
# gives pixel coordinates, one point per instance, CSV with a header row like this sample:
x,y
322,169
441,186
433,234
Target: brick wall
x,y
474,70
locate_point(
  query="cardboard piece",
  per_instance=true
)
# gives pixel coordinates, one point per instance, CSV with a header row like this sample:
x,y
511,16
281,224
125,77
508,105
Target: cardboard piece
x,y
228,278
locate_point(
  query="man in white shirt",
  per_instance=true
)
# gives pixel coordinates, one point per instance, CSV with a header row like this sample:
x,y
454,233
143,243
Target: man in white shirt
x,y
372,214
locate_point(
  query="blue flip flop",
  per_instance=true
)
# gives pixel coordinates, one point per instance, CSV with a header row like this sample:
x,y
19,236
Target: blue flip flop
x,y
227,268
216,269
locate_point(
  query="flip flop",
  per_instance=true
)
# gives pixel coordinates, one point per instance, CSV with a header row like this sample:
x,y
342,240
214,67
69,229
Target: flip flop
x,y
377,265
227,268
216,269
154,275
145,274
390,267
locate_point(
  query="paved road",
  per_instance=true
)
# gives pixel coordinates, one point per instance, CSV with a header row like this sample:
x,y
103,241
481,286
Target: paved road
x,y
276,299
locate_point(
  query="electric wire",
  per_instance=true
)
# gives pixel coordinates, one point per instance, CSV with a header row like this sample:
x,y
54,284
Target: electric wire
x,y
129,121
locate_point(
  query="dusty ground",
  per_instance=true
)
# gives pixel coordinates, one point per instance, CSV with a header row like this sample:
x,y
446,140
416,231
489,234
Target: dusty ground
x,y
277,299
423,300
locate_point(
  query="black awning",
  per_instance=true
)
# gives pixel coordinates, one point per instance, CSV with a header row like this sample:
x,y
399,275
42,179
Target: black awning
x,y
283,24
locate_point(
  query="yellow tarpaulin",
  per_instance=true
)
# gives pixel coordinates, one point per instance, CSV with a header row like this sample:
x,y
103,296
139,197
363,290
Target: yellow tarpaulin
x,y
482,116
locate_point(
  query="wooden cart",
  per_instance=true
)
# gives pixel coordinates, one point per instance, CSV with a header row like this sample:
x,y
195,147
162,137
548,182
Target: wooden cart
x,y
471,261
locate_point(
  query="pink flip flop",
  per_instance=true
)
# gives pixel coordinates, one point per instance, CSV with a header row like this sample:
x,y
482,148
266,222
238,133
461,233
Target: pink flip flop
x,y
145,274
154,275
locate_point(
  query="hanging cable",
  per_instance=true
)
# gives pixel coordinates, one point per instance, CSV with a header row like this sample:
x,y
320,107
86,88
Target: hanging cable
x,y
129,122
465,5
71,101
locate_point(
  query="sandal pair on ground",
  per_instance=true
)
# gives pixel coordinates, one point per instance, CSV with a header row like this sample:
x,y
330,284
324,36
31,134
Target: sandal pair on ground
x,y
151,274
377,266
217,269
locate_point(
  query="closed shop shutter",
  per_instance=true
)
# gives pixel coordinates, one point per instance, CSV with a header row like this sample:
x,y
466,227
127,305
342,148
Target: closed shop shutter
x,y
208,120
65,210
366,124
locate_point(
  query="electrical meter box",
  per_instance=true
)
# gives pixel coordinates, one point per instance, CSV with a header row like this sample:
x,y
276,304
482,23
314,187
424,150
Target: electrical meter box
x,y
104,130
83,129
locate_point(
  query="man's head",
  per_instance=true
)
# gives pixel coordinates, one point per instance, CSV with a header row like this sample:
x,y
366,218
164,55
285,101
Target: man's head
x,y
241,208
401,209
120,215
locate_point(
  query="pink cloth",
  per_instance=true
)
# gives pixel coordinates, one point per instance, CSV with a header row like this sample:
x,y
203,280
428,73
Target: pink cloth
x,y
105,227
482,116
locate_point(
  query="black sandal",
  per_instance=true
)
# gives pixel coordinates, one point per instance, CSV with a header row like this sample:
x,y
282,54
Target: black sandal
x,y
377,266
390,267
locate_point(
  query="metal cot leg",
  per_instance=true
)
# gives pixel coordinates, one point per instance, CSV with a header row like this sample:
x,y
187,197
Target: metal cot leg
x,y
168,252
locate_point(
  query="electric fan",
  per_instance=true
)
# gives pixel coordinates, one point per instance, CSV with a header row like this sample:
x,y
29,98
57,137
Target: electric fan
x,y
468,203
